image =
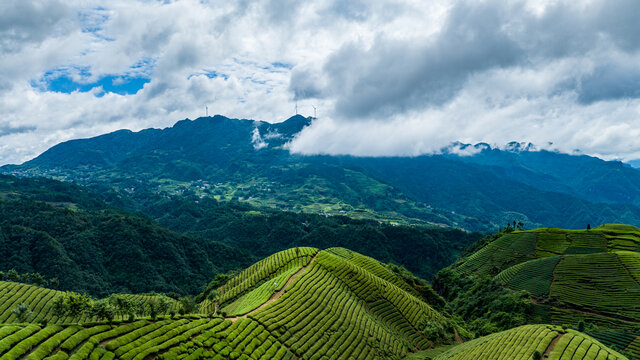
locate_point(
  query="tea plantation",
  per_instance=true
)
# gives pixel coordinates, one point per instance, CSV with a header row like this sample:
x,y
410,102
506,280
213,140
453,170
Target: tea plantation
x,y
587,278
532,342
300,303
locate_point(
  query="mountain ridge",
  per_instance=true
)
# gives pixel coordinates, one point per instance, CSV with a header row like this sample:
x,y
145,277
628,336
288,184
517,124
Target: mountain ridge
x,y
248,160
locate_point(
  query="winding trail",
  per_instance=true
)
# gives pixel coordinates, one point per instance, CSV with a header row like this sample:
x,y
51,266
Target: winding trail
x,y
278,293
552,345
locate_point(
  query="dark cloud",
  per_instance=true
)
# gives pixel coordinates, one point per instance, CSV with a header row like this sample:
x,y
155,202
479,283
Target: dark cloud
x,y
8,130
28,21
610,81
393,76
305,84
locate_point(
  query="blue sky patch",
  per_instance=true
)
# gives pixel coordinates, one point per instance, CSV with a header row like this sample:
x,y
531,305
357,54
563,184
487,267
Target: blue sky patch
x,y
123,85
77,78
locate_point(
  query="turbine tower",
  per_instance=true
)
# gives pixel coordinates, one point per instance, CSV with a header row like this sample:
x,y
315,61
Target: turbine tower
x,y
206,110
315,112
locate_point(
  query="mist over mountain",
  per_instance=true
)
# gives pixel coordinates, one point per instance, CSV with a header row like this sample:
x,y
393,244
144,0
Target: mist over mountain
x,y
475,187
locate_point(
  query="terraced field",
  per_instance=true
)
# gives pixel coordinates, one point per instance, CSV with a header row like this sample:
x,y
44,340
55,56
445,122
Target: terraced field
x,y
549,342
301,303
522,246
590,276
40,301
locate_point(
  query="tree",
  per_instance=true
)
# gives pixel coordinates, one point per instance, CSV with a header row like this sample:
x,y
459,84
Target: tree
x,y
22,312
102,310
54,283
124,306
38,279
537,355
588,226
12,275
72,305
187,305
157,306
213,296
2,275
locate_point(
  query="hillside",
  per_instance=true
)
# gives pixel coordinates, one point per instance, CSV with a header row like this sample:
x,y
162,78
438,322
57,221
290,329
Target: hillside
x,y
588,278
107,250
525,342
328,304
37,210
248,160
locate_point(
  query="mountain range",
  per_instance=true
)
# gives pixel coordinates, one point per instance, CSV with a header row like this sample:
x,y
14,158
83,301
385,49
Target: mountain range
x,y
249,161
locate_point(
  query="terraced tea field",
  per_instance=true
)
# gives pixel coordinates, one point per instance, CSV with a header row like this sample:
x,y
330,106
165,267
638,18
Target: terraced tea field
x,y
300,303
522,343
40,301
589,276
522,246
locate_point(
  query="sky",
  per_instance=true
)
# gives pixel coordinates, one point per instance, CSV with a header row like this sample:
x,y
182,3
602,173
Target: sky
x,y
386,77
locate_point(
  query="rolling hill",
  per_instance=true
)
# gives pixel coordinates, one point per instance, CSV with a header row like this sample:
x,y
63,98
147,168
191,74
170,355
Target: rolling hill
x,y
78,236
248,160
585,278
529,341
299,303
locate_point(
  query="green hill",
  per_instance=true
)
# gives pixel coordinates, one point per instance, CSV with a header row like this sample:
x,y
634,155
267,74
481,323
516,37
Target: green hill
x,y
588,279
80,237
301,303
524,342
521,246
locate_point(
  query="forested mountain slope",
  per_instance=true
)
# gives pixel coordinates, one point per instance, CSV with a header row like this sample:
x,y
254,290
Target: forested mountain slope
x,y
71,233
248,160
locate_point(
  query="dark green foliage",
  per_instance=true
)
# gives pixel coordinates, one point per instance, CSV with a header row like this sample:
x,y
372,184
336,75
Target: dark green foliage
x,y
22,312
106,251
480,192
484,303
423,251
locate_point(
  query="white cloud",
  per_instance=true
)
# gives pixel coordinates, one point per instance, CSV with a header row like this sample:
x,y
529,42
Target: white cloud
x,y
409,77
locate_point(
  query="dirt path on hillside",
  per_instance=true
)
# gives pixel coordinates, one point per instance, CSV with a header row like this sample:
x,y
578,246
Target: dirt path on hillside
x,y
277,294
551,346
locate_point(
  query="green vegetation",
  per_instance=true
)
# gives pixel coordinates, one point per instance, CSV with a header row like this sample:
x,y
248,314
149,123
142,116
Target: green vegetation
x,y
532,342
330,304
91,247
586,279
214,158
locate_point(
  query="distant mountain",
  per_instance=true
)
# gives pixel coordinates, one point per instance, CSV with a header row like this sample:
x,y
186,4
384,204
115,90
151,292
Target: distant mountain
x,y
474,187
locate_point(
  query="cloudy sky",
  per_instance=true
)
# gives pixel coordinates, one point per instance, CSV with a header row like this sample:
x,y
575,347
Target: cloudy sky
x,y
387,77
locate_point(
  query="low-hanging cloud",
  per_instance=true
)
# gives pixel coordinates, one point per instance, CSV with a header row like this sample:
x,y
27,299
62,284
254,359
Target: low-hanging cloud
x,y
565,73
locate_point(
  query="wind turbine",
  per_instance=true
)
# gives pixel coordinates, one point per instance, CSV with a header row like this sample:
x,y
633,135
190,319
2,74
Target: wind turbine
x,y
206,110
315,112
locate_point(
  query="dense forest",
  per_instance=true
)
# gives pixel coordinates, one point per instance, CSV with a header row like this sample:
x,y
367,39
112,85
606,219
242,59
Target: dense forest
x,y
178,244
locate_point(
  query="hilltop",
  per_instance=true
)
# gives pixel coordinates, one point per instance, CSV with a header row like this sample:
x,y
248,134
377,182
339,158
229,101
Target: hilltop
x,y
246,160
